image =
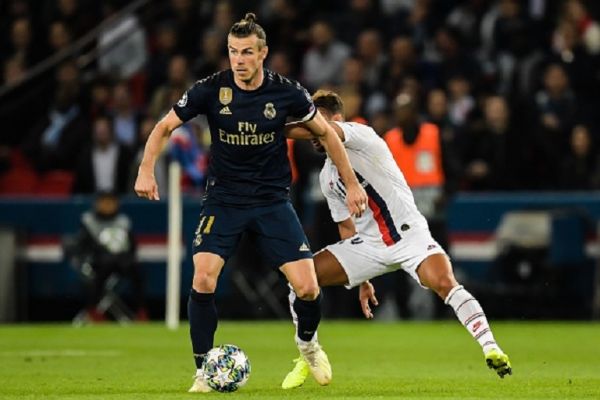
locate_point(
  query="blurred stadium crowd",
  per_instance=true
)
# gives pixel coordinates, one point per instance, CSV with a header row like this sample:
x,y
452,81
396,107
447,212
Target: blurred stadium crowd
x,y
513,87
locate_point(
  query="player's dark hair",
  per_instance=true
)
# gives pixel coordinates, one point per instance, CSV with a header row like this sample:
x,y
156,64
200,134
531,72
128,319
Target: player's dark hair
x,y
329,101
247,27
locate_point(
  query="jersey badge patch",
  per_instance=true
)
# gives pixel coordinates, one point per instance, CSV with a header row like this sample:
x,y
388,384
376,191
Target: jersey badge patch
x,y
270,111
225,95
183,100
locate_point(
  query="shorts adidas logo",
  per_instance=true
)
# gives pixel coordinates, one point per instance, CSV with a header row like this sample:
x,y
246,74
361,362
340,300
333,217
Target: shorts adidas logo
x,y
304,247
431,247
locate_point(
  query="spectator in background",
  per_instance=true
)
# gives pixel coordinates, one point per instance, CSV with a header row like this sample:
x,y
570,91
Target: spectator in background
x,y
223,17
437,113
279,62
57,138
166,95
105,242
103,166
122,45
59,36
402,63
581,67
165,47
490,152
466,19
460,103
358,16
369,51
13,72
21,45
210,55
588,29
77,18
286,26
448,58
184,16
100,96
414,21
580,170
554,112
324,60
125,118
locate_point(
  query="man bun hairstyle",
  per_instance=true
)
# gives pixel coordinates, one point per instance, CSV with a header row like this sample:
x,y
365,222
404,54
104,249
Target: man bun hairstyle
x,y
329,101
247,27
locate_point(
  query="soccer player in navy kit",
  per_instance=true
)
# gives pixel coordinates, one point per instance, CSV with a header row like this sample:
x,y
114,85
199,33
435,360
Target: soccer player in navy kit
x,y
248,184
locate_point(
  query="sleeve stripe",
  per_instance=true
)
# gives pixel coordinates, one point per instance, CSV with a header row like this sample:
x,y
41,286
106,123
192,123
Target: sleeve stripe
x,y
311,114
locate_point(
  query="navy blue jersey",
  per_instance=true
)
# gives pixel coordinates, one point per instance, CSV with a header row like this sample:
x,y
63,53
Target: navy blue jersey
x,y
248,164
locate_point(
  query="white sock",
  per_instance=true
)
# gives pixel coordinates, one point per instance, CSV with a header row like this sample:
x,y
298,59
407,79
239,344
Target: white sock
x,y
471,315
291,299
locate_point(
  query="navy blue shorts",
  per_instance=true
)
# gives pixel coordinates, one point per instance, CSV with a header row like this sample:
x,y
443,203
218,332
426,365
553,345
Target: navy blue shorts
x,y
275,229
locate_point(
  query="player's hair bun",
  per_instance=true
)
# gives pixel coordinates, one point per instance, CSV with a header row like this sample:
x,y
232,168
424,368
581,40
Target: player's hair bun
x,y
250,17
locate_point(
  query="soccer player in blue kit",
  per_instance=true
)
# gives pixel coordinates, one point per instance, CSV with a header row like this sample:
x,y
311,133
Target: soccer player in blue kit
x,y
247,190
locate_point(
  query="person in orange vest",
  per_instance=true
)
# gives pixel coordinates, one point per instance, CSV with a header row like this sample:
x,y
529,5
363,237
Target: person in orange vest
x,y
418,150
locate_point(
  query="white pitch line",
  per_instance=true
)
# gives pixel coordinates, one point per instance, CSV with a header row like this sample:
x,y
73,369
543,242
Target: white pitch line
x,y
61,353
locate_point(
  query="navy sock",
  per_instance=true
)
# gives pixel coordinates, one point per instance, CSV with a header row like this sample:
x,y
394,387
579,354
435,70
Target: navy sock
x,y
309,316
202,313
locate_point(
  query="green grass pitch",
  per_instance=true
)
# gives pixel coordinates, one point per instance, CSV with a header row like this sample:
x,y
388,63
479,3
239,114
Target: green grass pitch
x,y
371,360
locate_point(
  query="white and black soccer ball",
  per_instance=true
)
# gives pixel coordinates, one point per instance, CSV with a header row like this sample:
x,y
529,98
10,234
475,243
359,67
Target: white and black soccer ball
x,y
226,368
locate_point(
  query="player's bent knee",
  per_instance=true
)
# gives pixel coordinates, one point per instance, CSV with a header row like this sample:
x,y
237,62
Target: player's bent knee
x,y
307,292
204,282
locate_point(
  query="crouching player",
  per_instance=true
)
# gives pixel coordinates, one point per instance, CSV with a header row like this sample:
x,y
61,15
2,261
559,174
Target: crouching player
x,y
390,235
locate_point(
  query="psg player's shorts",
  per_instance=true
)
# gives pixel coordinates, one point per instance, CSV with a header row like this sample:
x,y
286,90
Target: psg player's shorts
x,y
275,229
363,260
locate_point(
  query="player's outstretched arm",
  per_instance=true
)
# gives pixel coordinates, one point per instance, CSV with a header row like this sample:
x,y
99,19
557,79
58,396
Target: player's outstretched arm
x,y
145,184
366,293
356,197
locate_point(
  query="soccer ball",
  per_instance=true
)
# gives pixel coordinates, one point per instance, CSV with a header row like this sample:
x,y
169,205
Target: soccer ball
x,y
226,368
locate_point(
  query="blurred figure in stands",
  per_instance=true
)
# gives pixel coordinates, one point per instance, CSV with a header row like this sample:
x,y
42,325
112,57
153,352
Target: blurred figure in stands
x,y
126,119
581,168
104,166
106,242
490,158
178,82
325,58
57,139
555,108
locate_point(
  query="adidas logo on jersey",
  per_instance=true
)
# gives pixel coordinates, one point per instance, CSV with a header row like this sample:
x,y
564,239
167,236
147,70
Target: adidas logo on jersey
x,y
304,247
225,110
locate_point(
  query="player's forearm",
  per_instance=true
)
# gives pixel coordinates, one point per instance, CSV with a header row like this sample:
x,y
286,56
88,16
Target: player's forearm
x,y
334,147
154,146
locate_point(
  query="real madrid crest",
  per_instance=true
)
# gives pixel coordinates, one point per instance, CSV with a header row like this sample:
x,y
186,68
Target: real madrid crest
x,y
225,95
270,112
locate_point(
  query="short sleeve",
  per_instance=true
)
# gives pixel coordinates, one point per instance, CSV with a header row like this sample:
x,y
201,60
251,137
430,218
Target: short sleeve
x,y
356,136
193,101
302,107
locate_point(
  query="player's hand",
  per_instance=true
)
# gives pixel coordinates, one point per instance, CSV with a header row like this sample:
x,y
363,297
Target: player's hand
x,y
356,199
145,185
366,294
